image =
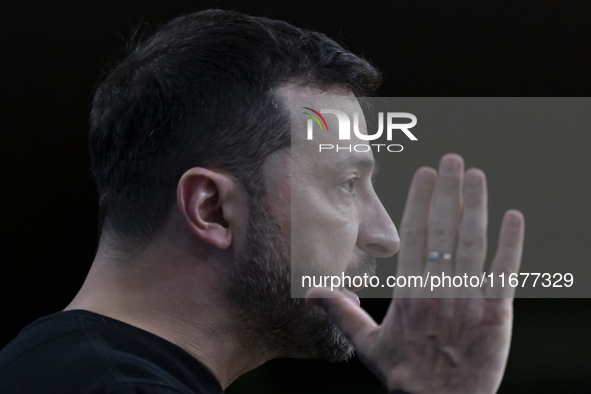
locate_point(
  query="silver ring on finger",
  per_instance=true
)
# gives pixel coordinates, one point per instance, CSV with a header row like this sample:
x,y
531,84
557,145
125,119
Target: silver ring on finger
x,y
439,257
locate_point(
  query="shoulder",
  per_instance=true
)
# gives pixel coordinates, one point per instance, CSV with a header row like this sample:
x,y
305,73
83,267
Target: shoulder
x,y
83,352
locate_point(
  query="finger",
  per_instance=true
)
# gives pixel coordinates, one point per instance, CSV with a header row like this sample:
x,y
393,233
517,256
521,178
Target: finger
x,y
471,246
508,257
413,228
346,314
443,221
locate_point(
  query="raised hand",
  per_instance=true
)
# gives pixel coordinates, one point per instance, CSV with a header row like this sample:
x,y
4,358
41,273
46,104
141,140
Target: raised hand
x,y
450,340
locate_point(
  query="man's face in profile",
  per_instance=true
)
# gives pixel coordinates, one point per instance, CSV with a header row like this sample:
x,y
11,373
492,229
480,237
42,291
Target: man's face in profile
x,y
321,216
338,224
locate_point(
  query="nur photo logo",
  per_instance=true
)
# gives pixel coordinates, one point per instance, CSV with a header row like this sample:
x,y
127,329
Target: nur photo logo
x,y
344,129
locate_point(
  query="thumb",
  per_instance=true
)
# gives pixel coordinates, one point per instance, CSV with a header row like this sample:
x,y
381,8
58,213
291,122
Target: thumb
x,y
346,314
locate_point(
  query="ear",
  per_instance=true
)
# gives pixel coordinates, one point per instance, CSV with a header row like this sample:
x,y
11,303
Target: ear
x,y
206,202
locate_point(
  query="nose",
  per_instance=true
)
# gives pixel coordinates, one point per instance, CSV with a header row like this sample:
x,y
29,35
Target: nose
x,y
377,233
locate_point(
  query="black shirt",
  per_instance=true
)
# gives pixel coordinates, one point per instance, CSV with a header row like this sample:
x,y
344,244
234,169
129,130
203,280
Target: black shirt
x,y
84,352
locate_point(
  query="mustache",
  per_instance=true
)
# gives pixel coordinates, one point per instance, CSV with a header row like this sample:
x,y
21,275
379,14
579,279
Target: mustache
x,y
365,265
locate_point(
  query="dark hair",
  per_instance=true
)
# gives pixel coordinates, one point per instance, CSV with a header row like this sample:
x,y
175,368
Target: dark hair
x,y
200,92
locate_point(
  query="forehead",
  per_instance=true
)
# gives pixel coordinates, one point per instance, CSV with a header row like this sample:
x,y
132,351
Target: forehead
x,y
313,156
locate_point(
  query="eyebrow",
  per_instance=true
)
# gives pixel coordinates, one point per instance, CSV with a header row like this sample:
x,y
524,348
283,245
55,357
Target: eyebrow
x,y
362,163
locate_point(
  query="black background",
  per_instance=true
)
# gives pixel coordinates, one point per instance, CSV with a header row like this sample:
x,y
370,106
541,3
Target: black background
x,y
53,53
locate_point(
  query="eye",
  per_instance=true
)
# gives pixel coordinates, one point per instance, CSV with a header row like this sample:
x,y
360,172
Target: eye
x,y
349,185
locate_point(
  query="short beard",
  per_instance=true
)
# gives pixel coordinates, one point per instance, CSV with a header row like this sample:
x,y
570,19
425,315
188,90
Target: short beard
x,y
271,322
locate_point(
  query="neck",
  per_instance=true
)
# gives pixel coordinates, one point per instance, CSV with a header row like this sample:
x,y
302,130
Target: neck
x,y
175,298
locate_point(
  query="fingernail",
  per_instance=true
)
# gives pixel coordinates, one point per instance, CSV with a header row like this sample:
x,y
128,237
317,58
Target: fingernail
x,y
472,180
425,179
451,164
513,220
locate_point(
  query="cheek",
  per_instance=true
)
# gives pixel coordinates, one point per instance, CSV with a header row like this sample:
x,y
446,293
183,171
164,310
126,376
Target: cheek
x,y
321,234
